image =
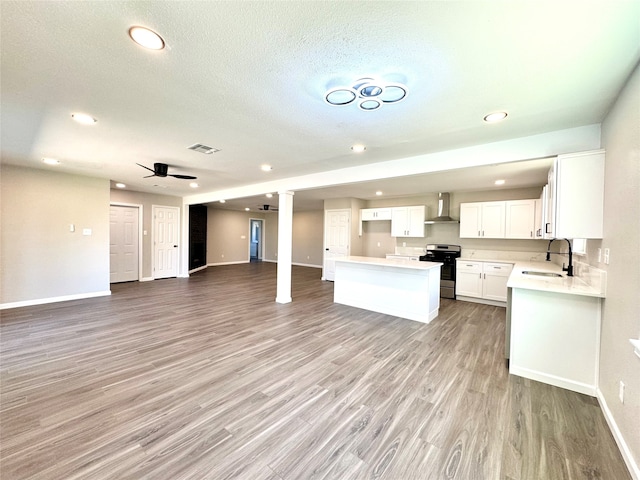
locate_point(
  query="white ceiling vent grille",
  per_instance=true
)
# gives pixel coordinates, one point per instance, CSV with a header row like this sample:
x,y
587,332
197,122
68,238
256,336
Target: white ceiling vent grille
x,y
198,147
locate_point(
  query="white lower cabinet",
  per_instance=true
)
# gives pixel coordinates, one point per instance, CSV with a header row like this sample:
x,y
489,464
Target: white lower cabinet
x,y
482,280
555,339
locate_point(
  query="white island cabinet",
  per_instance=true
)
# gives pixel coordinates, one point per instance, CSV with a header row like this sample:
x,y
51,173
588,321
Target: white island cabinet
x,y
399,287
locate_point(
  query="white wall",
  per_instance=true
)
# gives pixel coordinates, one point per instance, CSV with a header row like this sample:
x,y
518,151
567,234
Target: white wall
x,y
621,313
41,259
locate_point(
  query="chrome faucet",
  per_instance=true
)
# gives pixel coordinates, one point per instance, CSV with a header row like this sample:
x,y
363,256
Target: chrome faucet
x,y
568,269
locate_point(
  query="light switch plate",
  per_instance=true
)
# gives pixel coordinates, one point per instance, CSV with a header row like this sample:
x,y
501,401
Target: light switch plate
x,y
86,231
606,256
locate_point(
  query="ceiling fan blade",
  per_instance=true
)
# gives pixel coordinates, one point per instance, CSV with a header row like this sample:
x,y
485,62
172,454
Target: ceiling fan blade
x,y
149,176
183,177
150,169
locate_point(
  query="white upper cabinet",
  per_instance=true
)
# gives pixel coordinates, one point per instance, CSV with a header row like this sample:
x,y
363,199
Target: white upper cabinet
x,y
520,219
407,221
576,182
369,214
482,220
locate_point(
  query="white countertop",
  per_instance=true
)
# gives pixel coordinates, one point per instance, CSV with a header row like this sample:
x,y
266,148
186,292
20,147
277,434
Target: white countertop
x,y
390,262
564,284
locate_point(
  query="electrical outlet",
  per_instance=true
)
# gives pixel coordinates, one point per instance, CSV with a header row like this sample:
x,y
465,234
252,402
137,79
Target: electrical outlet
x,y
606,256
621,392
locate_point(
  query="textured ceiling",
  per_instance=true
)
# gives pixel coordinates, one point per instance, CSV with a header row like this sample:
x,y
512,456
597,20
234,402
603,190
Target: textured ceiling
x,y
249,77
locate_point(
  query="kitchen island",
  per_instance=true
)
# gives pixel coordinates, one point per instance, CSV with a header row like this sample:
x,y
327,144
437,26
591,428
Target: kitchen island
x,y
393,286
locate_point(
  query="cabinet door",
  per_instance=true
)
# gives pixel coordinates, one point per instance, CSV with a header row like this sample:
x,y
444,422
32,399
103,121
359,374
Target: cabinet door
x,y
469,284
416,221
550,207
407,221
399,222
494,280
367,214
470,220
493,219
580,195
469,278
520,218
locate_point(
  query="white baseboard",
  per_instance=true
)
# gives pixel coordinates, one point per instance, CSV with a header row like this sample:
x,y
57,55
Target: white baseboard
x,y
63,298
306,265
633,467
226,263
484,301
146,279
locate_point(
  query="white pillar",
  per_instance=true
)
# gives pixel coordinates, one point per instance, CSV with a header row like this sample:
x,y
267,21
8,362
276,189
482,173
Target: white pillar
x,y
285,235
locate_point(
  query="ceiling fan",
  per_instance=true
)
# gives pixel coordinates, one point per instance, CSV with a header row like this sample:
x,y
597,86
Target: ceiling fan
x,y
268,208
160,170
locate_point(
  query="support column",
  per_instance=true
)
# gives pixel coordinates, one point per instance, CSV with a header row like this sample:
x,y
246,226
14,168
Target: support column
x,y
285,235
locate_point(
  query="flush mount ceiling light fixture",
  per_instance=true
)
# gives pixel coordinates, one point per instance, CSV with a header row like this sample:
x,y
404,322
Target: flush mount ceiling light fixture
x,y
499,182
51,161
358,148
266,168
495,117
368,93
120,185
146,38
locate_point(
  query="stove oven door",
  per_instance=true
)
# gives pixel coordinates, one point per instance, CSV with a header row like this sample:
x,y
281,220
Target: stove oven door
x,y
448,280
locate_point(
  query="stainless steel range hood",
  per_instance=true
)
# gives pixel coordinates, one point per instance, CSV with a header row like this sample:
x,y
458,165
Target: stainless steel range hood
x,y
443,211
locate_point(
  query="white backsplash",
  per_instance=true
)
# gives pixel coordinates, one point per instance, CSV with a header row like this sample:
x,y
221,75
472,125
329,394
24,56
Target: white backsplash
x,y
410,251
471,254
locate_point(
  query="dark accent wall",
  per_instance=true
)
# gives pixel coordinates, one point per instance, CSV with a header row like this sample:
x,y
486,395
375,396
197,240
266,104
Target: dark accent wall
x,y
197,236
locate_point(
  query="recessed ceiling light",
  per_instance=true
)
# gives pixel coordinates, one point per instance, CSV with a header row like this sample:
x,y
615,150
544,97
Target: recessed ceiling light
x,y
83,118
358,148
378,193
51,161
499,182
266,168
269,195
146,38
223,201
495,117
194,185
120,185
246,209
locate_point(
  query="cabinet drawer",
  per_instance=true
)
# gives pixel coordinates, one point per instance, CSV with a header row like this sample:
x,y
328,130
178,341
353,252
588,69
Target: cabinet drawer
x,y
498,268
469,267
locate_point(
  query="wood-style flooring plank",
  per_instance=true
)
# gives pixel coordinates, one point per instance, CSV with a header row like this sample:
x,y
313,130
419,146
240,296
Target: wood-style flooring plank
x,y
209,378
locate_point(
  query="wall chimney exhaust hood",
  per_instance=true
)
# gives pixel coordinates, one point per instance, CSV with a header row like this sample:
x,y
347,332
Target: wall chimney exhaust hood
x,y
443,211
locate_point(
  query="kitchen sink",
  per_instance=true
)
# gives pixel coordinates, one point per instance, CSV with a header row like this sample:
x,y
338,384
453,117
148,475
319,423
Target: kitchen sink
x,y
541,274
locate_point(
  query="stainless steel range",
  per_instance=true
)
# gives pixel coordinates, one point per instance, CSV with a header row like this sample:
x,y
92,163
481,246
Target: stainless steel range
x,y
445,254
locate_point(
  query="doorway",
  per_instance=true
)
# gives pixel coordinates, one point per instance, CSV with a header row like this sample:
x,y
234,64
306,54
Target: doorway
x,y
256,242
165,236
124,243
337,233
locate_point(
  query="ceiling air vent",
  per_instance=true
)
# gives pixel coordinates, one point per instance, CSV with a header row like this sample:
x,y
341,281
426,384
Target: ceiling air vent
x,y
198,147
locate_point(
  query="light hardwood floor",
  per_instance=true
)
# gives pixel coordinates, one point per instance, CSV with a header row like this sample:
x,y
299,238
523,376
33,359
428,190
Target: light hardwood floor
x,y
209,378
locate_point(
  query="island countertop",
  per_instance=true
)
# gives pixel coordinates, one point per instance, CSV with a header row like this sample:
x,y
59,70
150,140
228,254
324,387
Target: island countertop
x,y
390,262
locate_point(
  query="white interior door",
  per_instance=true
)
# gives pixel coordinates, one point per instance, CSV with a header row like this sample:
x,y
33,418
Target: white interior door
x,y
166,231
123,244
337,228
